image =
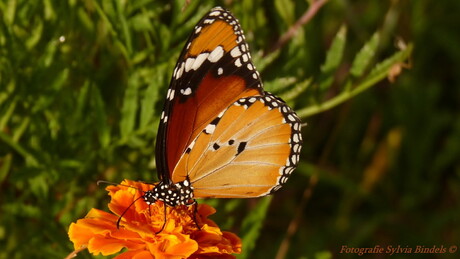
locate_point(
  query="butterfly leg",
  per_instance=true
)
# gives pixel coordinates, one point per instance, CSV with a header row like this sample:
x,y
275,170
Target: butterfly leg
x,y
164,221
195,211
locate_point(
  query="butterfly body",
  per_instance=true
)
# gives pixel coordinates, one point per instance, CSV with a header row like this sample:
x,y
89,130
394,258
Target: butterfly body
x,y
172,194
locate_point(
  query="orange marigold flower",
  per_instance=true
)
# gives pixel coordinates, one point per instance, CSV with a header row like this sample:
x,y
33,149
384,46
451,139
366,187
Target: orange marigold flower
x,y
139,226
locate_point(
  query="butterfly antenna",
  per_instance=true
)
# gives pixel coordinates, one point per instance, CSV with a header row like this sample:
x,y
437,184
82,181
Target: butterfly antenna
x,y
122,214
117,184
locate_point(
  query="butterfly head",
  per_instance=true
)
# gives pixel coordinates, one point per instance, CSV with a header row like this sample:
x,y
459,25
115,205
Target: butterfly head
x,y
172,194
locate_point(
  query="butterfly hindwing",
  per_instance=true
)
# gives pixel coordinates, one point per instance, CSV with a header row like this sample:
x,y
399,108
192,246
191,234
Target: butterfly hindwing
x,y
248,150
213,71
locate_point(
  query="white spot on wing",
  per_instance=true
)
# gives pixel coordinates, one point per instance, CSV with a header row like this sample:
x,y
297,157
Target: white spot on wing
x,y
191,145
209,21
295,138
238,62
170,94
216,54
214,13
235,52
180,71
188,64
186,91
245,57
199,60
210,128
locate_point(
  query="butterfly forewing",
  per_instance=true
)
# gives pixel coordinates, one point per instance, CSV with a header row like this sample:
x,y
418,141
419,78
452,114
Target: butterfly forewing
x,y
213,71
248,150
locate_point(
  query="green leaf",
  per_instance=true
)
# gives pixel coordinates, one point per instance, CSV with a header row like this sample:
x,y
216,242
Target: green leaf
x,y
264,61
50,14
102,128
5,166
7,91
333,58
35,36
323,255
8,112
297,90
30,159
10,12
151,97
129,109
85,20
124,26
81,101
252,225
140,56
286,10
49,54
377,74
279,84
39,186
381,69
365,55
140,22
60,79
19,131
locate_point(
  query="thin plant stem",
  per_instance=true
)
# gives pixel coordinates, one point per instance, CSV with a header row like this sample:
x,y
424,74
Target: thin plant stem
x,y
304,19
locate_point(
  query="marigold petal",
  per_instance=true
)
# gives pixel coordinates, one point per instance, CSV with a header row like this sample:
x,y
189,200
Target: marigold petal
x,y
81,232
78,236
181,245
107,246
121,200
135,254
174,245
230,244
98,231
204,211
212,241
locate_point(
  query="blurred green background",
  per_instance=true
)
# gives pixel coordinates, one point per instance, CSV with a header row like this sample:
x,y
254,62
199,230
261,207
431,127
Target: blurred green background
x,y
82,85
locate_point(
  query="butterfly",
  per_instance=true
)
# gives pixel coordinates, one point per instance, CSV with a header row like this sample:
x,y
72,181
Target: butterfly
x,y
220,134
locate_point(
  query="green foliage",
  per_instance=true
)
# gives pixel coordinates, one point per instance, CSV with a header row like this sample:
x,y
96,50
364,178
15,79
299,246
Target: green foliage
x,y
252,224
333,59
365,56
81,90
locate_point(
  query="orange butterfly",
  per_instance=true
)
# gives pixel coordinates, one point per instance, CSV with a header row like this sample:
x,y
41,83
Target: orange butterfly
x,y
221,135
